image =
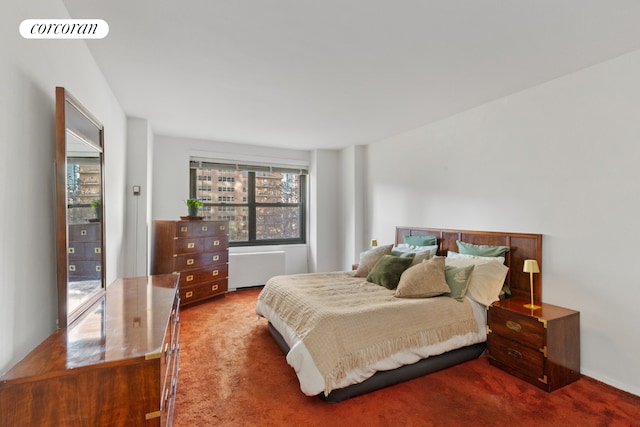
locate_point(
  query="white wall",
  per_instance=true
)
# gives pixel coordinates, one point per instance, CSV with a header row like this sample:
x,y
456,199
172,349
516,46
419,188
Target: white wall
x,y
559,159
29,71
353,235
324,211
139,173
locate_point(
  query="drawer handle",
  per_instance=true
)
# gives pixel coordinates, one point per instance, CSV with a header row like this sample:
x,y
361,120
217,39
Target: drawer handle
x,y
514,353
98,268
152,415
184,229
216,257
190,261
222,227
83,232
204,228
514,326
216,243
214,288
97,250
191,245
72,267
72,250
189,294
215,272
190,278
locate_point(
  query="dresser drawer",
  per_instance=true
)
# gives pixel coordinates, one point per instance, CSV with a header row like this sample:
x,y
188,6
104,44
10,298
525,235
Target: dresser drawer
x,y
196,261
216,243
200,228
170,362
215,272
85,270
189,245
84,251
527,361
193,245
84,232
524,329
189,294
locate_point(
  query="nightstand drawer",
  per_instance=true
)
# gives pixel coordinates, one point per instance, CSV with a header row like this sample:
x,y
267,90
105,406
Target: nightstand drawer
x,y
526,360
524,329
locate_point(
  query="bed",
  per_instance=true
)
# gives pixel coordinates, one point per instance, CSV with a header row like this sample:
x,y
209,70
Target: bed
x,y
345,335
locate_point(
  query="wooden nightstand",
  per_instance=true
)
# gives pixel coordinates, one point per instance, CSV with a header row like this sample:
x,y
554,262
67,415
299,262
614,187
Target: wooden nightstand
x,y
540,346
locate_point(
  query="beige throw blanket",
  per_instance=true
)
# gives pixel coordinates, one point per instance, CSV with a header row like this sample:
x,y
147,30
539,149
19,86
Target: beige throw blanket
x,y
346,322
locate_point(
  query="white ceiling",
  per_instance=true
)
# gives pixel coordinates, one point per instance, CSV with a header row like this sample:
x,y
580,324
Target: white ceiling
x,y
313,74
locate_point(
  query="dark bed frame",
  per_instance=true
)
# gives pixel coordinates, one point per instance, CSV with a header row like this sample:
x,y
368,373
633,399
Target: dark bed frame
x,y
522,246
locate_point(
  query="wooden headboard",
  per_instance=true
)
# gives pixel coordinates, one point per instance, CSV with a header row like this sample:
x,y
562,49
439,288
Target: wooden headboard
x,y
522,246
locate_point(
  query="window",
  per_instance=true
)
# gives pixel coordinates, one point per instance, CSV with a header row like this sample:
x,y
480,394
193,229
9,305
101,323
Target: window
x,y
268,205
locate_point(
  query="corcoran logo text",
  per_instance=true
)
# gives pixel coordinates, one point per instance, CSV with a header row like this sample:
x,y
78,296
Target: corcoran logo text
x,y
64,29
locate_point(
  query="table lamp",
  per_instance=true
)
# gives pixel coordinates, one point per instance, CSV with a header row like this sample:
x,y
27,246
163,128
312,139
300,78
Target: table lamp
x,y
531,266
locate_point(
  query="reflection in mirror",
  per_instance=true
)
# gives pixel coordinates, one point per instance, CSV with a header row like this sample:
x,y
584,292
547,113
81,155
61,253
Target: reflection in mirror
x,y
80,207
84,200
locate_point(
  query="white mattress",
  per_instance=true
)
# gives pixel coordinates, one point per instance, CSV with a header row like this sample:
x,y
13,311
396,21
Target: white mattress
x,y
312,382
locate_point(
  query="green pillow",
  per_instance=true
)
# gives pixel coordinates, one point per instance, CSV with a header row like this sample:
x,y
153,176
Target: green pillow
x,y
481,250
458,280
421,240
388,270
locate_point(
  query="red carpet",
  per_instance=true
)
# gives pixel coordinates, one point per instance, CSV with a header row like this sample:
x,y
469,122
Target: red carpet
x,y
233,374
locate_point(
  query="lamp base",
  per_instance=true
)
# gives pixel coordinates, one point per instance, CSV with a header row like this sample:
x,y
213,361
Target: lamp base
x,y
532,306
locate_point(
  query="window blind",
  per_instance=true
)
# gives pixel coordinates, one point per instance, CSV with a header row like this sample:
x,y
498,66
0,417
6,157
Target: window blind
x,y
266,167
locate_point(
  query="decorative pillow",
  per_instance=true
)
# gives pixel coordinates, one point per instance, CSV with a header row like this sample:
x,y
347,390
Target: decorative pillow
x,y
486,282
423,280
388,270
421,252
369,258
421,240
481,250
454,255
458,280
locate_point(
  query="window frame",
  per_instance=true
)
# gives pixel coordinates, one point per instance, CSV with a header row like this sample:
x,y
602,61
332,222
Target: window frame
x,y
251,204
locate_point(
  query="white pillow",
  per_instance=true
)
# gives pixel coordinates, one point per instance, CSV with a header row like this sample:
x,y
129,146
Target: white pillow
x,y
369,258
486,280
456,255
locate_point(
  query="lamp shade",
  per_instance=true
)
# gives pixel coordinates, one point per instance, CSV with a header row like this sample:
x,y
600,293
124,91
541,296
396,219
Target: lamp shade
x,y
531,266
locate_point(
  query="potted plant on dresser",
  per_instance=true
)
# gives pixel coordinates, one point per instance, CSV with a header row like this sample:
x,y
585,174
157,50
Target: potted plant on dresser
x,y
192,206
96,205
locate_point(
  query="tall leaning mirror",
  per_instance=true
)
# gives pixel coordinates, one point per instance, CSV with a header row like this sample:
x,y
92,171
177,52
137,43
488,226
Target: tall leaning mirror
x,y
79,207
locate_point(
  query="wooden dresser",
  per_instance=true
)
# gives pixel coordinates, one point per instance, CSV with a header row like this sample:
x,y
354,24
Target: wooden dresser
x,y
198,250
540,346
117,365
85,257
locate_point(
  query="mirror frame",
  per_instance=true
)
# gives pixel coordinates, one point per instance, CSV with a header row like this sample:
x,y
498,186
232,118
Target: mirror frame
x,y
62,98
